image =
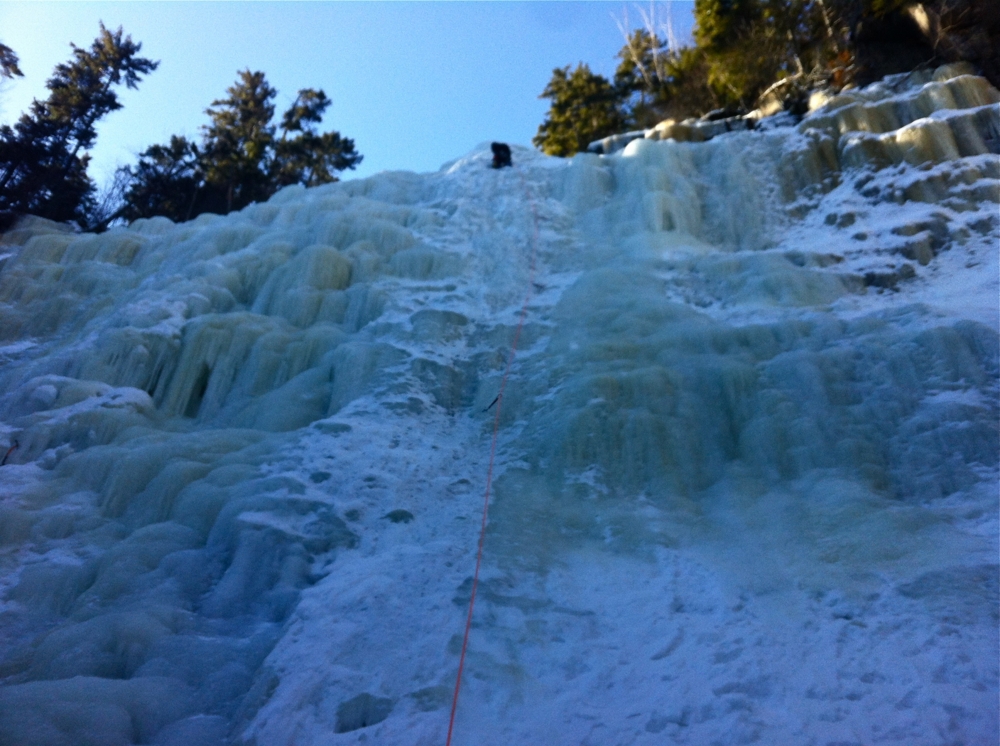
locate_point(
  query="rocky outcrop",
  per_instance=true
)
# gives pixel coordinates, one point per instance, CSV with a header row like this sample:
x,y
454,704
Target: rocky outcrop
x,y
928,32
688,130
955,109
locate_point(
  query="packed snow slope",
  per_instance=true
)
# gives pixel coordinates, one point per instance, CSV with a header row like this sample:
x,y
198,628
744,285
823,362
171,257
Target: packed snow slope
x,y
747,476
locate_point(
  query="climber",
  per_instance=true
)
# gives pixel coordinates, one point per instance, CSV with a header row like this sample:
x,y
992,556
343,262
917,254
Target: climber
x,y
501,154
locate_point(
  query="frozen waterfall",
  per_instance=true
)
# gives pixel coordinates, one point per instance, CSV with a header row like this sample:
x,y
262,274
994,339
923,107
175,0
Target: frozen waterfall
x,y
747,475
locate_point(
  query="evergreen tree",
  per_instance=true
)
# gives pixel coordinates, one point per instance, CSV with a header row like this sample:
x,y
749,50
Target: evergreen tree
x,y
657,83
752,44
641,72
308,158
751,52
43,159
168,180
585,107
240,159
718,23
239,140
8,63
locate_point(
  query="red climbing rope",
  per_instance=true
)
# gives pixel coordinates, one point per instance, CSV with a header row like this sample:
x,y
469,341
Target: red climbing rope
x,y
9,451
493,451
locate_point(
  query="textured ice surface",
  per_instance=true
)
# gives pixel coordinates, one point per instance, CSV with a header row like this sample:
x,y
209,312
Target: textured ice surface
x,y
747,483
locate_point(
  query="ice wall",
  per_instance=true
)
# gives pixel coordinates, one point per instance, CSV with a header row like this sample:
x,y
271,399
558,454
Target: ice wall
x,y
753,422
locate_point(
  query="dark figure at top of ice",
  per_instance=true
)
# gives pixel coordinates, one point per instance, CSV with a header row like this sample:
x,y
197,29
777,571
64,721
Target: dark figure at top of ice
x,y
501,154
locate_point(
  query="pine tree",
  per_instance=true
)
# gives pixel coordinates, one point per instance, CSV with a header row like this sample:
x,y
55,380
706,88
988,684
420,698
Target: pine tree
x,y
168,180
240,159
656,82
8,63
308,158
238,141
641,69
585,107
753,52
43,159
752,44
719,23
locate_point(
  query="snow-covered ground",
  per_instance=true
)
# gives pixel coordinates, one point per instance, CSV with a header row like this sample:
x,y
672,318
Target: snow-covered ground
x,y
746,487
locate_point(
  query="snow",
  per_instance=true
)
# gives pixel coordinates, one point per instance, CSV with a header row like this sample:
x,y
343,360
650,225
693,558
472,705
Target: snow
x,y
747,470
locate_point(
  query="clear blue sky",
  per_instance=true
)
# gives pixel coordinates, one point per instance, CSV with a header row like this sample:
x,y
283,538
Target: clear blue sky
x,y
414,83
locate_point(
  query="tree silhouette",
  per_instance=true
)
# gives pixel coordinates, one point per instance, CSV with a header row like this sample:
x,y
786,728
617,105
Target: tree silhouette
x,y
43,158
240,160
585,107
